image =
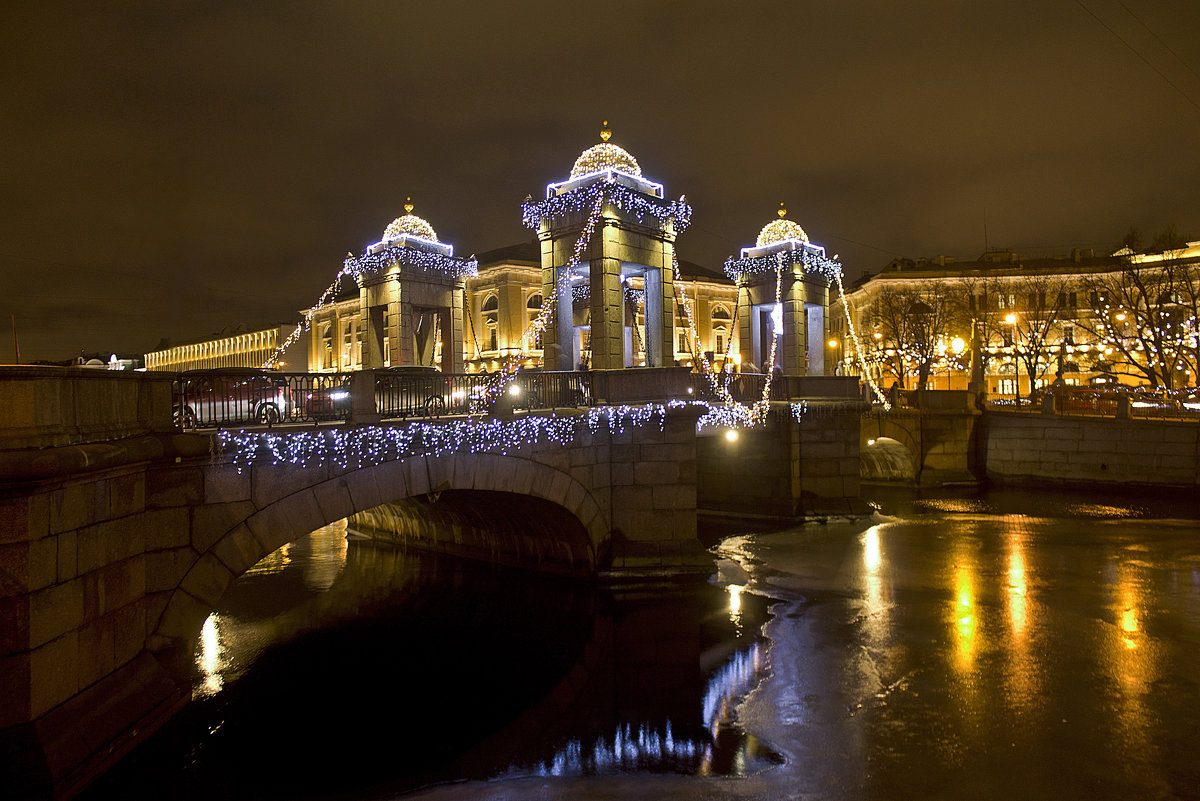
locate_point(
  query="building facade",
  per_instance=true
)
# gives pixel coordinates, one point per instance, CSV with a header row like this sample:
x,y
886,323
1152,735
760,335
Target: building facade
x,y
250,349
1009,325
600,286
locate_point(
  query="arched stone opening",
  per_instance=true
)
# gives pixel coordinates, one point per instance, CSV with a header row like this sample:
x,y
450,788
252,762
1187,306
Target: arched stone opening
x,y
886,459
416,481
498,527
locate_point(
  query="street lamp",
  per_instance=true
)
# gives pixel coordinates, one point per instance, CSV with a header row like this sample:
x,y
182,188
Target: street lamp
x,y
958,345
1011,319
834,346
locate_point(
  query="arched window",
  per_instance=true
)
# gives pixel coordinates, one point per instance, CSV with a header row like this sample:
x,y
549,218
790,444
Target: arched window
x,y
722,323
491,322
533,307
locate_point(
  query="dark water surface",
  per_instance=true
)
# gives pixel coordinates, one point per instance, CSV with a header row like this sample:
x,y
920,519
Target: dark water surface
x,y
339,669
995,645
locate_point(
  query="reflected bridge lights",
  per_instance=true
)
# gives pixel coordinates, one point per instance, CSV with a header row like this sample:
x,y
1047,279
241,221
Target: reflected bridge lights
x,y
210,660
735,605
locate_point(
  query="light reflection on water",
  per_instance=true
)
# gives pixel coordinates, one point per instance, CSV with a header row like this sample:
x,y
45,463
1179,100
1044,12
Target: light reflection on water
x,y
657,747
986,650
316,560
665,701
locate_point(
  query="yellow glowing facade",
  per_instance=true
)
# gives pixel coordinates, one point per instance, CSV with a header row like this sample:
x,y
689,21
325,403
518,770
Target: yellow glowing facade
x,y
250,349
499,305
992,295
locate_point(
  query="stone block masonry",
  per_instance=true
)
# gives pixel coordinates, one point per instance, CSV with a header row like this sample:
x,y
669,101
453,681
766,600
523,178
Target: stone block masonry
x,y
108,572
786,468
1091,450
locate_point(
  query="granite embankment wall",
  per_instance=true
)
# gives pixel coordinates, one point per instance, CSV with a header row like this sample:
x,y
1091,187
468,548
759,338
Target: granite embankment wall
x,y
1023,447
788,467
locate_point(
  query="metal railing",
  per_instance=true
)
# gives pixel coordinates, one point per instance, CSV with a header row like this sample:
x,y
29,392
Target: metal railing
x,y
745,387
1106,402
239,397
248,397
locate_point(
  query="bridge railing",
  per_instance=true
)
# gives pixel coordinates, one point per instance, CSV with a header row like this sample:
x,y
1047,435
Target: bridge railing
x,y
1124,402
239,397
227,398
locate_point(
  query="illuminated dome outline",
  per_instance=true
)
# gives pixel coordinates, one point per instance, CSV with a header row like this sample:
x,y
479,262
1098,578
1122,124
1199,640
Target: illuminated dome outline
x,y
409,225
605,156
780,230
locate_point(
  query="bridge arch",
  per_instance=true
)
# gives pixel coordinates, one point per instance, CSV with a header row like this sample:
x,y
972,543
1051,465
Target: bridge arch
x,y
886,459
286,503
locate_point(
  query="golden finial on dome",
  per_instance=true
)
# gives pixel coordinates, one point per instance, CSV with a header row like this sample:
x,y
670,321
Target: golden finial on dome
x,y
782,211
605,132
408,206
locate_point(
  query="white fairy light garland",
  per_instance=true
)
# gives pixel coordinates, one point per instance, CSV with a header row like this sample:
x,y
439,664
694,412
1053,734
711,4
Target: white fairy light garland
x,y
355,447
362,446
858,349
272,361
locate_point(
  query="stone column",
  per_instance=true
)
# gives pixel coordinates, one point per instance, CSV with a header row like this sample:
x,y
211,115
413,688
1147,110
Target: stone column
x,y
607,313
452,331
793,345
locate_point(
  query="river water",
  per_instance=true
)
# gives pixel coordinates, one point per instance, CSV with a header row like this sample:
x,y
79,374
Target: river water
x,y
1006,644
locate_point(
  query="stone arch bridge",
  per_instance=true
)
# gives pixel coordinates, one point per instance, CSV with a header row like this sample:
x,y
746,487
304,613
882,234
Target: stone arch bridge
x,y
113,553
926,440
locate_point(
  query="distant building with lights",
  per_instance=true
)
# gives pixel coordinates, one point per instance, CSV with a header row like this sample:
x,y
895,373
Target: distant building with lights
x,y
248,349
1080,318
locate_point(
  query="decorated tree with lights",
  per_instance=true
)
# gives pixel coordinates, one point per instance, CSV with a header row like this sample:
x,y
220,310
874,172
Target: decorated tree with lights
x,y
911,327
1041,301
1145,313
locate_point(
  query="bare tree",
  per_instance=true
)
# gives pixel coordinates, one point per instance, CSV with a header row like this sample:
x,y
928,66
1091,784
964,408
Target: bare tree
x,y
912,323
1145,312
1041,299
974,308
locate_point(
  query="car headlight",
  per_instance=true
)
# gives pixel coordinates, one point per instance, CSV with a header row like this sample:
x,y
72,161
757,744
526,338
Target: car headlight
x,y
340,395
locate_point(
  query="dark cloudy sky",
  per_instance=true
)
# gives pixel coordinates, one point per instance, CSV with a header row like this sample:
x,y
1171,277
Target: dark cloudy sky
x,y
174,168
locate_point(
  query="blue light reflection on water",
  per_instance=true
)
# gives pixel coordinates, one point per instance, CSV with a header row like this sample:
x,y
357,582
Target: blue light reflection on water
x,y
466,663
652,747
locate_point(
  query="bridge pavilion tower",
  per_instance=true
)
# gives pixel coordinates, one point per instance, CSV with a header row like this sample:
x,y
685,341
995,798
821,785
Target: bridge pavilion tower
x,y
783,293
607,238
411,297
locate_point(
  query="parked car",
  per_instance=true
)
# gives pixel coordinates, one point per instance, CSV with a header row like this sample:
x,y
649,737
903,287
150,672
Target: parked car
x,y
326,402
417,392
230,396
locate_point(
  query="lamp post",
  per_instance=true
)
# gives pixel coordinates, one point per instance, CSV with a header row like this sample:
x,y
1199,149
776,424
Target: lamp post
x,y
1011,319
957,345
836,347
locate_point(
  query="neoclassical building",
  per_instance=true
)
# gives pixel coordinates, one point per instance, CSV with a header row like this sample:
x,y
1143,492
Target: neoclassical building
x,y
599,285
1009,325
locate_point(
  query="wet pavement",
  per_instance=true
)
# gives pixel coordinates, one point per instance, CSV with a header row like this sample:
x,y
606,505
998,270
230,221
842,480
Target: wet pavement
x,y
998,645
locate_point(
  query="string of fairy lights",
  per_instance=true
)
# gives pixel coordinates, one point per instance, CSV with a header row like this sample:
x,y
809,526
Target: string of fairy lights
x,y
857,343
607,189
407,257
359,267
355,447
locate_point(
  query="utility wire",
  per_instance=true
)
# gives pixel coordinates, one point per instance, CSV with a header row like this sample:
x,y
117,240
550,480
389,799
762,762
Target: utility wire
x,y
1159,39
1135,51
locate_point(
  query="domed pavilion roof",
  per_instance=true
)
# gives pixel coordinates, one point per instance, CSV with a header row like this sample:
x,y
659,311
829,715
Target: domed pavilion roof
x,y
409,224
780,230
605,156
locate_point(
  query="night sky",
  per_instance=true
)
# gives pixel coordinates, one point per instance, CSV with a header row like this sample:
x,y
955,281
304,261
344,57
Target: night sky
x,y
172,169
